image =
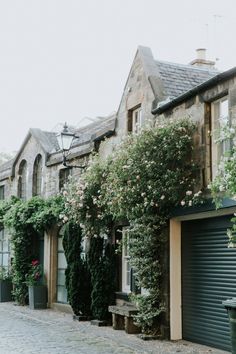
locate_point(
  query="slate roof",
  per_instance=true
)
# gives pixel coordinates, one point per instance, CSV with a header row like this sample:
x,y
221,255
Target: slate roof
x,y
178,78
5,169
102,127
47,140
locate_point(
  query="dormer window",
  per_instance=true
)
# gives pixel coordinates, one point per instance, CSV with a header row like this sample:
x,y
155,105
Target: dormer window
x,y
37,176
135,120
22,176
220,119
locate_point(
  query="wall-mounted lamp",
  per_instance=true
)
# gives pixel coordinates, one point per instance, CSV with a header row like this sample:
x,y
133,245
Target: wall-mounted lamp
x,y
65,139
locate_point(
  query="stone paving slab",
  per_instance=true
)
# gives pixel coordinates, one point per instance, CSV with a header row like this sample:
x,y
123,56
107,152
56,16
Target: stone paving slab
x,y
25,331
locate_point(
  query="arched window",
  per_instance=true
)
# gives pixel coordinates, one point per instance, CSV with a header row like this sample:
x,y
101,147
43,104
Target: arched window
x,y
37,176
22,180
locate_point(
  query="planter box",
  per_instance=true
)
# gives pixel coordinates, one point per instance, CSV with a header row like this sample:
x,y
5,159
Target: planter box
x,y
5,290
37,297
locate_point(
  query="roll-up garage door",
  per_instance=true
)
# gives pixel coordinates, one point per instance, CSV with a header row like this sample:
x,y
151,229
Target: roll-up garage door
x,y
208,278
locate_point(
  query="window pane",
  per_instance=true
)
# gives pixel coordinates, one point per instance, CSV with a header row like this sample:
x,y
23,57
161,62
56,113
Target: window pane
x,y
5,259
5,246
63,177
220,117
62,261
60,246
1,192
224,110
61,294
127,273
61,277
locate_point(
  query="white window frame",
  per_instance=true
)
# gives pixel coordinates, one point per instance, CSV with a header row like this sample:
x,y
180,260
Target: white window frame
x,y
4,249
219,118
126,268
136,120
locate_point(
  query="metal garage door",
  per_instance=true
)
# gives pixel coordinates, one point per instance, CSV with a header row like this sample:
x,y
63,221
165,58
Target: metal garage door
x,y
208,277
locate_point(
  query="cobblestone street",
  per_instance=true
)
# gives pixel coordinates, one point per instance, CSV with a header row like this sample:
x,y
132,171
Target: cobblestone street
x,y
49,332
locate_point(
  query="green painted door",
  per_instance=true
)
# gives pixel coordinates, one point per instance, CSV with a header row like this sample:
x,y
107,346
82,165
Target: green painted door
x,y
208,278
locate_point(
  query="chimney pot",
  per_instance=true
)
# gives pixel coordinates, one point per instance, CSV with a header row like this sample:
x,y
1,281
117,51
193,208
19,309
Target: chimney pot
x,y
201,53
201,60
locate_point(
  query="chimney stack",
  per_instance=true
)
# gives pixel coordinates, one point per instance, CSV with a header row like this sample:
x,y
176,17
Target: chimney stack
x,y
201,60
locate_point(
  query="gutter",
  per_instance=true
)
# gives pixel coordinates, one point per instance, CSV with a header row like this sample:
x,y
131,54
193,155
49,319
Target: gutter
x,y
197,89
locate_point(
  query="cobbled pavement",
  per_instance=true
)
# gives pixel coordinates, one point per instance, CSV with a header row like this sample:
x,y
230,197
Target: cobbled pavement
x,y
25,331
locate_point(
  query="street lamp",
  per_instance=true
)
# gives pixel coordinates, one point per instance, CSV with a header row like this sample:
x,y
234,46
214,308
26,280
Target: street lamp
x,y
65,139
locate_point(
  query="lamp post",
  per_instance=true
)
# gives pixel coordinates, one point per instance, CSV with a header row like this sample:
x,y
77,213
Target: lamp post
x,y
65,139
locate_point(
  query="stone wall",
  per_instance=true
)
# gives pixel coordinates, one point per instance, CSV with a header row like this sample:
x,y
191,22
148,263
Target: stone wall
x,y
198,109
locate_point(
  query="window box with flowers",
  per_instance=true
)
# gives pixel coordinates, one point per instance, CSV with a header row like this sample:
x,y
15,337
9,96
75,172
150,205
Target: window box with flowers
x,y
37,290
5,285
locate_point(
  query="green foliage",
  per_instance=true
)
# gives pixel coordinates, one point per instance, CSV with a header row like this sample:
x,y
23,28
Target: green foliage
x,y
152,172
27,220
224,183
84,200
101,264
6,205
4,274
145,178
77,274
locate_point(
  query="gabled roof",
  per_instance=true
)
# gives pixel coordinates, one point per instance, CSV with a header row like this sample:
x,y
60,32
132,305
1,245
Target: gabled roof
x,y
170,80
47,140
178,79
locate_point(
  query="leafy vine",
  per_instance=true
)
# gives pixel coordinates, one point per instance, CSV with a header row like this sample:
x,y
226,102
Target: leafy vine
x,y
141,183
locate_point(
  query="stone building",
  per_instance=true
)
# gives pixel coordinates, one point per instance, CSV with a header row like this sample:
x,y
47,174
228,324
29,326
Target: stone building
x,y
37,169
153,89
202,267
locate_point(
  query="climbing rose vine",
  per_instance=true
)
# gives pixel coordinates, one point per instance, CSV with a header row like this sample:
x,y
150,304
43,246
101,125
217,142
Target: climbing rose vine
x,y
140,184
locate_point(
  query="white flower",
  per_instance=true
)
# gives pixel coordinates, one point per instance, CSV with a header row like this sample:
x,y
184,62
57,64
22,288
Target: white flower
x,y
221,188
162,197
65,219
182,202
189,193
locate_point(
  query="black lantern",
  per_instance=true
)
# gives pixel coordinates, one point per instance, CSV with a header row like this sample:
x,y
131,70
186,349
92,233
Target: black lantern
x,y
65,139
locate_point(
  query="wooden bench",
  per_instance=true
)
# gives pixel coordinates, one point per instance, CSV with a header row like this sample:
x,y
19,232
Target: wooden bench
x,y
122,318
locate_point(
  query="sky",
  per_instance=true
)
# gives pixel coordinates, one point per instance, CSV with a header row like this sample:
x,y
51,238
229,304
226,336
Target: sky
x,y
64,60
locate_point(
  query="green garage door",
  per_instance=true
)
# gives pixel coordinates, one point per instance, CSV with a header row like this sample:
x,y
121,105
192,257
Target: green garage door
x,y
208,277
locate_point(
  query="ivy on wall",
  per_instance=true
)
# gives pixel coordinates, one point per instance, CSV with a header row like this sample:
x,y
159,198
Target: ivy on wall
x,y
27,220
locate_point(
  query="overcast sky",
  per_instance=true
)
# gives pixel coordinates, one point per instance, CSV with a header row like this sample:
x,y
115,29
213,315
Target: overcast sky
x,y
63,60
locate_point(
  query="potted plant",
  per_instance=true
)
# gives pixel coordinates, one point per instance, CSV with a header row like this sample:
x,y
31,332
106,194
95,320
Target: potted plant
x,y
37,289
5,285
